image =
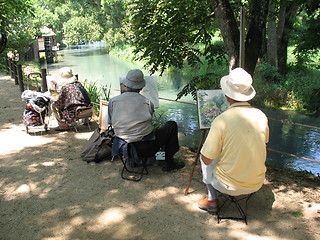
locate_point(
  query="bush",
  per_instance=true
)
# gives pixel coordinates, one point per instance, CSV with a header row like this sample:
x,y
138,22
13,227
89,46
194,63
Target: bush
x,y
268,72
299,90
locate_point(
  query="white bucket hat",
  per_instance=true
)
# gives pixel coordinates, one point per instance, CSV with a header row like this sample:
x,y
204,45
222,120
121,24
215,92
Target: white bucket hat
x,y
238,85
66,76
134,79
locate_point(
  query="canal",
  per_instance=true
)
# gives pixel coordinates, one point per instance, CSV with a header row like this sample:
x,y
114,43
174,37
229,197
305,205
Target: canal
x,y
294,138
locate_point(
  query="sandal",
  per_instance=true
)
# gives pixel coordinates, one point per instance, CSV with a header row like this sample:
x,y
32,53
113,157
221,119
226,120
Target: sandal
x,y
210,206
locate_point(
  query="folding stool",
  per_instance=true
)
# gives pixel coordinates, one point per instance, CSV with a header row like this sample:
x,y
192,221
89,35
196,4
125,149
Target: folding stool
x,y
238,203
139,169
136,175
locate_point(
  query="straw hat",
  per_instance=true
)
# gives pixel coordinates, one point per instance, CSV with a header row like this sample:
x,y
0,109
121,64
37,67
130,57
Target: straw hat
x,y
66,76
238,85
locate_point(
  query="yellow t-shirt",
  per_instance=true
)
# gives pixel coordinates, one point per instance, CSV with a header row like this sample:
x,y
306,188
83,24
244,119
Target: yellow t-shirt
x,y
238,139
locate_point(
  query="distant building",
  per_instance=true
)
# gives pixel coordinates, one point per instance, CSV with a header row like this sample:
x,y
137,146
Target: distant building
x,y
47,44
44,46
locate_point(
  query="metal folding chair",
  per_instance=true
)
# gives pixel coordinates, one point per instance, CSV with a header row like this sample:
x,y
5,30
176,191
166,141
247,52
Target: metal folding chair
x,y
85,114
233,207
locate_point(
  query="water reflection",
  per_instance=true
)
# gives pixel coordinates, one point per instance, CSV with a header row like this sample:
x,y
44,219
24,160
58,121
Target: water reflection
x,y
299,140
97,66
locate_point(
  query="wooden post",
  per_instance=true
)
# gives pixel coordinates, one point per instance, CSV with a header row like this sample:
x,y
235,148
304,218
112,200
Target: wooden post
x,y
44,85
195,161
20,78
15,73
7,65
11,68
242,37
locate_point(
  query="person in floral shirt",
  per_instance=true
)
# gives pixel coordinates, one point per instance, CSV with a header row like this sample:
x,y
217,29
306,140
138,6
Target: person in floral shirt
x,y
71,96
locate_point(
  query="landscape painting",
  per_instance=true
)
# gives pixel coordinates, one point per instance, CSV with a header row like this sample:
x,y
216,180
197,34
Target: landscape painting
x,y
211,103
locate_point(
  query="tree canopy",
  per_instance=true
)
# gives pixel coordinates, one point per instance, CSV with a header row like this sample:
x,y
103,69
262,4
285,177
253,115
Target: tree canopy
x,y
173,34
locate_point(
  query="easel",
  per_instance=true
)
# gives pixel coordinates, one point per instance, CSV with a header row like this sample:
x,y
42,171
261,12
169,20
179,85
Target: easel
x,y
203,127
204,131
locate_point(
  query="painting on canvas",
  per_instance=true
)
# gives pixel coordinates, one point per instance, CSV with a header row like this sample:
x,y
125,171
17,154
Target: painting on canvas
x,y
211,103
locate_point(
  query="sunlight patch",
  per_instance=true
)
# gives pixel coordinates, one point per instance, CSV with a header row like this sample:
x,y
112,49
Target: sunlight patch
x,y
84,136
48,164
77,221
113,216
156,194
24,188
13,144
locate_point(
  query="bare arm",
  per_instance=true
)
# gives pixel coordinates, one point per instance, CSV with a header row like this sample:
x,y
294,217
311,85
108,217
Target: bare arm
x,y
206,160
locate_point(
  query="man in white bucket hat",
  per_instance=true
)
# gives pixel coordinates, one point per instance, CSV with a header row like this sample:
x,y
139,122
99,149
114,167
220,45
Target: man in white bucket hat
x,y
130,114
234,153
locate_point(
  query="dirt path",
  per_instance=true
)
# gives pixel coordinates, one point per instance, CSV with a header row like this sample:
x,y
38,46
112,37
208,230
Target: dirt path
x,y
48,192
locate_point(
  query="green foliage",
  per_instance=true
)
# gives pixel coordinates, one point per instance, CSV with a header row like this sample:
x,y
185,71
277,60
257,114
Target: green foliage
x,y
158,120
114,38
12,12
16,20
297,214
101,19
79,29
167,33
115,12
298,90
97,93
207,77
268,72
306,36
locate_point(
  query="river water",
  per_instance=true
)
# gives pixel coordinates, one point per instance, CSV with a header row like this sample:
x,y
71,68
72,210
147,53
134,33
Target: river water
x,y
293,144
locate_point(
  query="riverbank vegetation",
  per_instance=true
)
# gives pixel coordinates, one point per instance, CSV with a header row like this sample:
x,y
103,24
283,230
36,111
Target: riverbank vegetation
x,y
199,39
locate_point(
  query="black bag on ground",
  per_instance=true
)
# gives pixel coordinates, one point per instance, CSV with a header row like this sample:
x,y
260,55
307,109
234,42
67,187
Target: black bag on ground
x,y
99,146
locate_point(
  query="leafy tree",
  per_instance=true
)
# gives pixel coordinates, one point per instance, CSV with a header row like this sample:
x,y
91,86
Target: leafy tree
x,y
168,33
79,29
107,16
11,11
16,22
165,32
114,13
292,21
307,35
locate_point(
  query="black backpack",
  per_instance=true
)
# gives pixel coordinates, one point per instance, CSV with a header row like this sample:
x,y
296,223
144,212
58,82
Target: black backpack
x,y
99,146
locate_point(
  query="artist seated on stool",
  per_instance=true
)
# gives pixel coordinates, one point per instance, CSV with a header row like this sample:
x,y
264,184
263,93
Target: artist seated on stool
x,y
130,114
234,153
71,96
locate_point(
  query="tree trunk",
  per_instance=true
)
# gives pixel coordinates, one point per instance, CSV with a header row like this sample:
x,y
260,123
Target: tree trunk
x,y
272,56
286,20
255,34
229,29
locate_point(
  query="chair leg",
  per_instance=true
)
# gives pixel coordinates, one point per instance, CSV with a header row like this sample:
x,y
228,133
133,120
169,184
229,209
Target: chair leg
x,y
87,122
233,200
136,175
75,128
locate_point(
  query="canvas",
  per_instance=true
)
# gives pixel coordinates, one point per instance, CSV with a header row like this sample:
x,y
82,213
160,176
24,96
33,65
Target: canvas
x,y
211,103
